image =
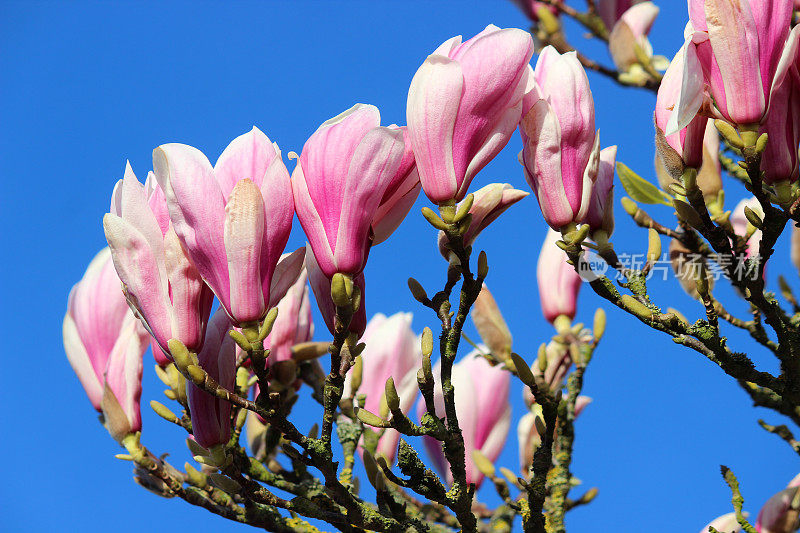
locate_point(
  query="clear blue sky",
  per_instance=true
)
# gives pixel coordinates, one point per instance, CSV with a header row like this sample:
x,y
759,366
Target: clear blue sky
x,y
86,85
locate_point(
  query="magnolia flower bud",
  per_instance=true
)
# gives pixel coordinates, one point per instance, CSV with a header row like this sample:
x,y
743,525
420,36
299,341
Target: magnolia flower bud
x,y
560,149
392,351
233,220
106,354
462,104
347,169
484,413
490,324
559,284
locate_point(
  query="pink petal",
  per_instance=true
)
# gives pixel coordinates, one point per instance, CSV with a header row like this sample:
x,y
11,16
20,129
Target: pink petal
x,y
197,210
433,103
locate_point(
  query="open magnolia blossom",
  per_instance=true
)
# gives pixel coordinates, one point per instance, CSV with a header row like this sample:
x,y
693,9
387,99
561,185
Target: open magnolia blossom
x,y
327,414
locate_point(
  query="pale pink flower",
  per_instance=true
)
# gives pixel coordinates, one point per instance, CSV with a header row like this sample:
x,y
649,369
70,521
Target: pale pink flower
x,y
463,105
393,350
528,436
726,523
347,169
561,151
631,31
160,281
104,344
559,284
600,215
294,324
743,50
234,220
484,413
612,10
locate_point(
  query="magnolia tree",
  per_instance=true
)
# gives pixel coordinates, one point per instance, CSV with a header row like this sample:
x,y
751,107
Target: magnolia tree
x,y
427,424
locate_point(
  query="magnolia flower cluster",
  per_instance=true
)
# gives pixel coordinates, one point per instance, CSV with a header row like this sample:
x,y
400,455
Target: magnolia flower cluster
x,y
739,64
195,232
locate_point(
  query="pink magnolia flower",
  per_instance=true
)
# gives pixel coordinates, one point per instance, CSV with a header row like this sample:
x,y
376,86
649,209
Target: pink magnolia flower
x,y
294,324
484,413
321,286
393,350
631,31
528,436
211,416
233,219
463,105
683,148
561,151
743,51
531,8
559,284
122,389
782,125
612,10
740,223
778,514
159,279
96,315
104,344
347,168
489,203
726,523
600,215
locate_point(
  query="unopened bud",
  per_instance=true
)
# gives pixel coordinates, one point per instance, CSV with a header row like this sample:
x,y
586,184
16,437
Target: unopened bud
x,y
356,374
426,340
629,205
392,399
180,353
653,246
339,292
729,133
163,411
753,218
225,483
761,143
434,219
483,265
371,419
195,477
312,433
541,359
636,307
483,463
241,340
464,207
196,374
523,370
589,495
599,326
417,291
266,326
